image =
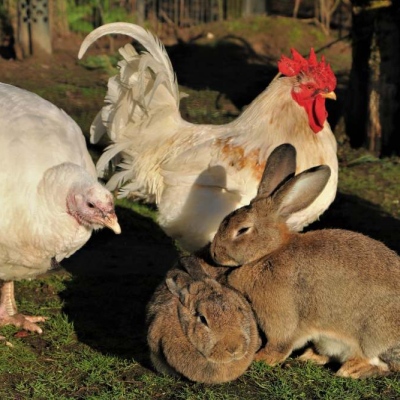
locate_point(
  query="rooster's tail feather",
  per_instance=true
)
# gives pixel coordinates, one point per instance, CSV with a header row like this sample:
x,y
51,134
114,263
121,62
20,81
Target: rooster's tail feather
x,y
144,91
144,37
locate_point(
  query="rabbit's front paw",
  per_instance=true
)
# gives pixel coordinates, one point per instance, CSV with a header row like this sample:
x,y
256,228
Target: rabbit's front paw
x,y
271,356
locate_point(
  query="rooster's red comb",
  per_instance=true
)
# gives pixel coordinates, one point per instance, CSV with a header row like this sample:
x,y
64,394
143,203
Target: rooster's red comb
x,y
320,71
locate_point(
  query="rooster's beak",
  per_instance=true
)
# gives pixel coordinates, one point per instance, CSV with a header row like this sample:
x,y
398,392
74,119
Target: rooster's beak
x,y
329,95
111,221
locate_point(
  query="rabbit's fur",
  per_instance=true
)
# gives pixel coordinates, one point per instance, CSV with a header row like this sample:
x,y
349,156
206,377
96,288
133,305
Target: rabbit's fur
x,y
199,328
336,288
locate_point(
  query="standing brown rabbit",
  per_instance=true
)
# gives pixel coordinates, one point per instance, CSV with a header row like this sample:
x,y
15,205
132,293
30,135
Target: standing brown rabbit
x,y
338,289
199,328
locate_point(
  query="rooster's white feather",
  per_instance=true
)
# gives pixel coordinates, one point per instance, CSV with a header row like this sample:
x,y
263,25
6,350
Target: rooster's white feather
x,y
197,174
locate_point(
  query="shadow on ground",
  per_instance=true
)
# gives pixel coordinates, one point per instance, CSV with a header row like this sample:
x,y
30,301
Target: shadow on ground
x,y
114,276
113,279
353,213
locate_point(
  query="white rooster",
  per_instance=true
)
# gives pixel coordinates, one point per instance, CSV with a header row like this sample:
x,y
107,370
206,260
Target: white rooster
x,y
50,200
197,174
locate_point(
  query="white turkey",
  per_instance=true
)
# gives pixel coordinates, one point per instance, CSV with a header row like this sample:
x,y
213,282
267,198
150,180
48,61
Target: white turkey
x,y
50,199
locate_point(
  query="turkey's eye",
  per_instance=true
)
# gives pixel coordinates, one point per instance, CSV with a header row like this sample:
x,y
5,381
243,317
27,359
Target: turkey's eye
x,y
90,205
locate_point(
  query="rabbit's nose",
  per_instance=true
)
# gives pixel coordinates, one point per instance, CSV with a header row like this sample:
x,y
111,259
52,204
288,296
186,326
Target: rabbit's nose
x,y
235,350
218,253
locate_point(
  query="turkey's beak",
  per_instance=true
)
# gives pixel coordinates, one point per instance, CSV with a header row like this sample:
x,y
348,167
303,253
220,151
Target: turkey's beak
x,y
329,95
111,221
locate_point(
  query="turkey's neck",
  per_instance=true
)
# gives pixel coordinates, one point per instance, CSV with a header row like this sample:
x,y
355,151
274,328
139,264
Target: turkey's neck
x,y
57,183
53,191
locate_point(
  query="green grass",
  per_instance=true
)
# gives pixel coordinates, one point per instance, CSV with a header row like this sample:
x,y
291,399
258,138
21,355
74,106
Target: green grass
x,y
204,107
140,208
102,61
94,346
60,365
367,176
80,16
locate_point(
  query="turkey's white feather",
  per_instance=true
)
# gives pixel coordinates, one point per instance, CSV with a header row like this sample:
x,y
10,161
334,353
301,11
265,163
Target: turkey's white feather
x,y
42,155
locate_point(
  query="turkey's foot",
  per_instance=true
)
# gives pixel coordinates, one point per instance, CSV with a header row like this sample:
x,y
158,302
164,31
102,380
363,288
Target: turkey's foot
x,y
9,314
23,321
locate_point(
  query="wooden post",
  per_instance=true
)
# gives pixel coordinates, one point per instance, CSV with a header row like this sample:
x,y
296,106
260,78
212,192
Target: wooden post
x,y
24,28
374,86
140,10
34,33
221,15
58,17
252,7
374,127
296,8
388,42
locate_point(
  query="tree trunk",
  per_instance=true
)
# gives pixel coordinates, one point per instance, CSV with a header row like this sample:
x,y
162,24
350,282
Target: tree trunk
x,y
251,7
140,10
296,8
58,17
374,91
34,34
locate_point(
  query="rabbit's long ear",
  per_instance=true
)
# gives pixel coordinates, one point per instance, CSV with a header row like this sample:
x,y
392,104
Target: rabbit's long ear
x,y
193,267
178,284
300,191
281,165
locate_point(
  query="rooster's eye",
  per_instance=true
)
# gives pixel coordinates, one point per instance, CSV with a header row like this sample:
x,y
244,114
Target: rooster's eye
x,y
90,205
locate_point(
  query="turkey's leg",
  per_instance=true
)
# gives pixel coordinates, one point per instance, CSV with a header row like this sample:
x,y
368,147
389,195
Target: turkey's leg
x,y
9,314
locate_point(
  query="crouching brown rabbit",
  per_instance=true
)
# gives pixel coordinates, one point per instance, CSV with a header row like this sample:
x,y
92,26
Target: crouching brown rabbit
x,y
338,289
199,328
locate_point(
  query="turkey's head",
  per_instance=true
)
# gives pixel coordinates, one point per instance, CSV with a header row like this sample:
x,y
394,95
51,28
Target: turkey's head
x,y
93,206
314,83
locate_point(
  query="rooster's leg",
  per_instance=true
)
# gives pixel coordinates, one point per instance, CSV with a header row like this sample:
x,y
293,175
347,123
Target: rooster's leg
x,y
9,314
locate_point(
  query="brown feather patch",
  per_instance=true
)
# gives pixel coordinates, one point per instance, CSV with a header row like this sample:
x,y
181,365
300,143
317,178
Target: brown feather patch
x,y
236,158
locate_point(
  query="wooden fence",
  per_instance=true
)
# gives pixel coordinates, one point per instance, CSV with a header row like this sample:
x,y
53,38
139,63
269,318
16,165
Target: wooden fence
x,y
30,23
194,12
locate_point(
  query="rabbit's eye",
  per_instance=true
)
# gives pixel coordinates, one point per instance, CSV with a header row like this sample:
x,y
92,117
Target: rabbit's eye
x,y
201,318
242,231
